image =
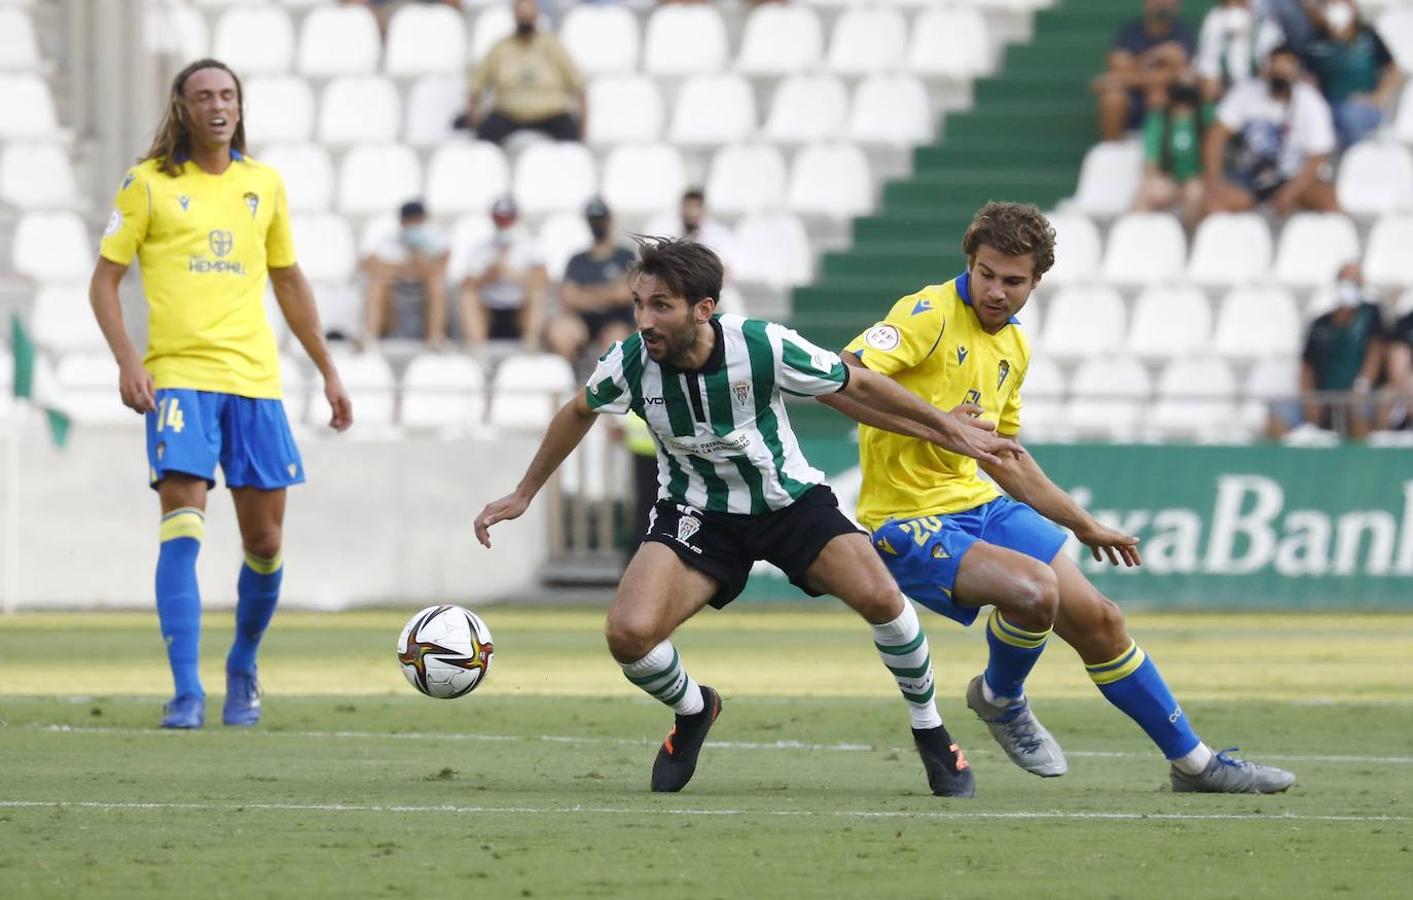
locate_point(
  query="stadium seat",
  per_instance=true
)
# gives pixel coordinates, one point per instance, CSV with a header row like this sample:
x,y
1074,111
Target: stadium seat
x,y
443,391
1108,179
425,39
294,384
1196,401
596,469
492,24
867,40
1084,322
37,176
1042,397
1230,249
52,247
360,109
562,235
26,108
469,232
640,179
806,109
376,178
685,40
368,378
1170,322
279,109
1144,248
624,109
830,180
1396,28
780,40
772,248
255,39
177,31
63,322
602,40
1312,248
1403,123
466,176
18,48
324,242
953,44
745,178
432,104
1375,178
1255,322
554,176
1387,260
7,391
891,110
1077,250
1107,398
307,172
713,109
528,388
88,390
339,40
1275,378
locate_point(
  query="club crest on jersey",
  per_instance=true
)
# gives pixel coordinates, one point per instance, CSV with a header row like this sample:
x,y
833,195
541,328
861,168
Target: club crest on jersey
x,y
741,390
252,202
1002,371
961,354
221,242
185,201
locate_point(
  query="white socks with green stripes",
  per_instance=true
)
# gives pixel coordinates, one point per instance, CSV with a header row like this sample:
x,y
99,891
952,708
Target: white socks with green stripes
x,y
903,648
661,674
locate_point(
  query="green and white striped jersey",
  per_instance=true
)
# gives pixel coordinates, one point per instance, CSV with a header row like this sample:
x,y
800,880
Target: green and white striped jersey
x,y
724,441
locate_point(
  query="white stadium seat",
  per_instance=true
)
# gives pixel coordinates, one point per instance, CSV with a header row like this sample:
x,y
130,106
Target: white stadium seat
x,y
369,381
339,40
360,109
432,104
279,109
1107,398
868,39
424,39
467,235
806,109
952,43
1387,260
713,109
1396,28
466,176
745,178
1312,248
1275,378
685,40
1256,322
1042,396
1403,124
891,110
528,388
18,48
294,384
830,180
1170,322
88,390
7,375
376,178
1078,249
26,108
1230,249
602,40
640,179
443,391
1084,321
780,40
624,109
562,235
307,172
52,247
1145,248
178,31
554,176
596,470
1375,178
493,24
37,176
1108,179
1196,400
254,40
63,322
772,248
324,242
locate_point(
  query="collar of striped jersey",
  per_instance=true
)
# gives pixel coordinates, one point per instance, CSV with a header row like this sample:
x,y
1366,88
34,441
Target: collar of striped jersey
x,y
714,359
964,291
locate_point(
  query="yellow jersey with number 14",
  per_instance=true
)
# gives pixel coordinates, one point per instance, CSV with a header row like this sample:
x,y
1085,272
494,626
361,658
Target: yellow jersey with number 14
x,y
205,243
932,344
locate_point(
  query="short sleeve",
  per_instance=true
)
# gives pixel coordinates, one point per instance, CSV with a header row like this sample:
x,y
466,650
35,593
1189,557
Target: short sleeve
x,y
607,390
279,240
580,270
1315,132
807,370
904,339
1010,421
1208,61
1382,56
1231,112
127,223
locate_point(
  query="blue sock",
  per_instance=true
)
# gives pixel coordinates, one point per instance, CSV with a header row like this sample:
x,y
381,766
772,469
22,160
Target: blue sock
x,y
179,598
258,590
1014,652
1133,683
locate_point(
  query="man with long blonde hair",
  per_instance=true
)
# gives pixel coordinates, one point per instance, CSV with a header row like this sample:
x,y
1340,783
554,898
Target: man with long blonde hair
x,y
208,224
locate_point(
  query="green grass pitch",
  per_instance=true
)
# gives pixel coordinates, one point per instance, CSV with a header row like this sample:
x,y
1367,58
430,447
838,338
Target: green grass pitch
x,y
536,785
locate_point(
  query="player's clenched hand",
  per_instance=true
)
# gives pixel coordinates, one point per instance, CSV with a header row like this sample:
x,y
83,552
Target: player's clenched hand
x,y
1106,542
135,387
339,403
509,507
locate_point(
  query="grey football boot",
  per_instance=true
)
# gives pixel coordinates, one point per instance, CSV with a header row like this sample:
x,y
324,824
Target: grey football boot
x,y
1020,734
1229,775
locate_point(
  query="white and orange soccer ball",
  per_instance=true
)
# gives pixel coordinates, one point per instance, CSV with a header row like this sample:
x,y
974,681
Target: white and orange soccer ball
x,y
445,651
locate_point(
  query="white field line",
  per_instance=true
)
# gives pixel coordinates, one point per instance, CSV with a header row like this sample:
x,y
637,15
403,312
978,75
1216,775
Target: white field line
x,y
648,810
642,742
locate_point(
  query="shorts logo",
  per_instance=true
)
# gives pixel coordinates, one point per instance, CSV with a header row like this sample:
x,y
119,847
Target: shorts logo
x,y
115,222
883,337
252,200
940,552
882,544
185,201
686,527
221,242
293,469
742,391
961,355
161,450
1002,371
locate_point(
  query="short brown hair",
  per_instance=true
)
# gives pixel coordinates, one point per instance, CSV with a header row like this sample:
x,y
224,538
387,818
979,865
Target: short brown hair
x,y
688,269
1013,229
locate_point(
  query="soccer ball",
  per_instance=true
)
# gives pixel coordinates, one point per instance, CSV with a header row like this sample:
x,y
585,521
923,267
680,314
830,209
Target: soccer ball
x,y
445,651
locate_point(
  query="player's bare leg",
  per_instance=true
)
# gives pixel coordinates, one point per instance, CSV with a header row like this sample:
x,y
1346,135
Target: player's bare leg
x,y
183,502
849,569
658,592
261,515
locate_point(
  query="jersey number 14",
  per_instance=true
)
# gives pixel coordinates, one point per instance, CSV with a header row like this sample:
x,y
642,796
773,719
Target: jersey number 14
x,y
169,415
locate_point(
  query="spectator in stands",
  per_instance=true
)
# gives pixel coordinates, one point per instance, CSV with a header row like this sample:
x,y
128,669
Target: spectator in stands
x,y
384,9
1343,353
693,223
503,293
596,305
1354,68
534,83
1286,136
1236,38
407,270
1147,55
1172,149
1398,374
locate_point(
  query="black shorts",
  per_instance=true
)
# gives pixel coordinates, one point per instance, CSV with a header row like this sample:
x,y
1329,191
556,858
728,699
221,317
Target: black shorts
x,y
724,546
504,325
599,319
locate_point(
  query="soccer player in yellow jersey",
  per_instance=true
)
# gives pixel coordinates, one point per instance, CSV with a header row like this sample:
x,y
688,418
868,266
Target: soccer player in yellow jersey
x,y
207,224
955,543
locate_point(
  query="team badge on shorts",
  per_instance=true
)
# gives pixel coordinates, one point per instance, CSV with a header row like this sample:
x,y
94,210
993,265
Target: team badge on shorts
x,y
686,527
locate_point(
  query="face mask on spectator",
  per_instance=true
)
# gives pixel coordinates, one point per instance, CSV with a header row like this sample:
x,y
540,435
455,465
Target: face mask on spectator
x,y
1339,16
524,29
1280,86
1349,292
599,229
418,237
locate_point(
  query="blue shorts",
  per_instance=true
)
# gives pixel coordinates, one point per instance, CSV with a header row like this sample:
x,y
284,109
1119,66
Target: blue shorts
x,y
193,430
923,554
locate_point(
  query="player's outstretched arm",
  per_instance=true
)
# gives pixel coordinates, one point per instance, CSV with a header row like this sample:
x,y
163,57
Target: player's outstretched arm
x,y
296,299
134,381
566,430
1025,481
